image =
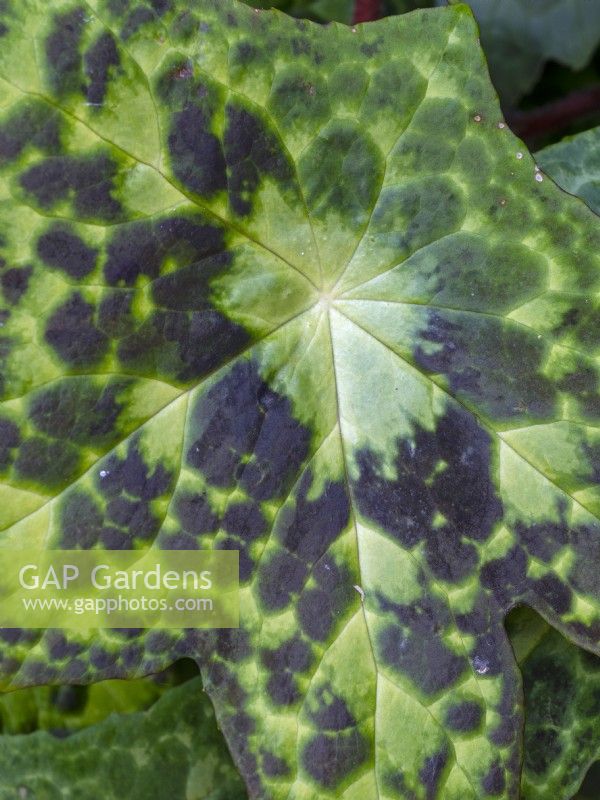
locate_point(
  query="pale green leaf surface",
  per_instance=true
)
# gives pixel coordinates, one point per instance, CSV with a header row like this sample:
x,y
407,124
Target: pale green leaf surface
x,y
308,300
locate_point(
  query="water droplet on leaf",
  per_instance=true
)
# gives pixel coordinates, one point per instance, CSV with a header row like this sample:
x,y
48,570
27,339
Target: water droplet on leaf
x,y
480,665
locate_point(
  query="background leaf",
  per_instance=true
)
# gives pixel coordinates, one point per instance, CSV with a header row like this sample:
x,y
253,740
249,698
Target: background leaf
x,y
574,164
518,36
589,788
562,702
65,709
172,750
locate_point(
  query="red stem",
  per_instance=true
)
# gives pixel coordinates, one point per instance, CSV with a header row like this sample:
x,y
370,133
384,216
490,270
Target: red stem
x,y
366,10
554,117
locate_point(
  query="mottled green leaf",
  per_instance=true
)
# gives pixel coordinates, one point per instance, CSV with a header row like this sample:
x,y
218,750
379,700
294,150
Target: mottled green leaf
x,y
562,708
171,751
561,681
574,164
299,292
518,36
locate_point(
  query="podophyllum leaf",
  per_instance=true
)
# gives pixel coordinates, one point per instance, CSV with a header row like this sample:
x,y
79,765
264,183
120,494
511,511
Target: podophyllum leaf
x,y
562,706
561,681
173,750
64,709
298,291
518,36
574,164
